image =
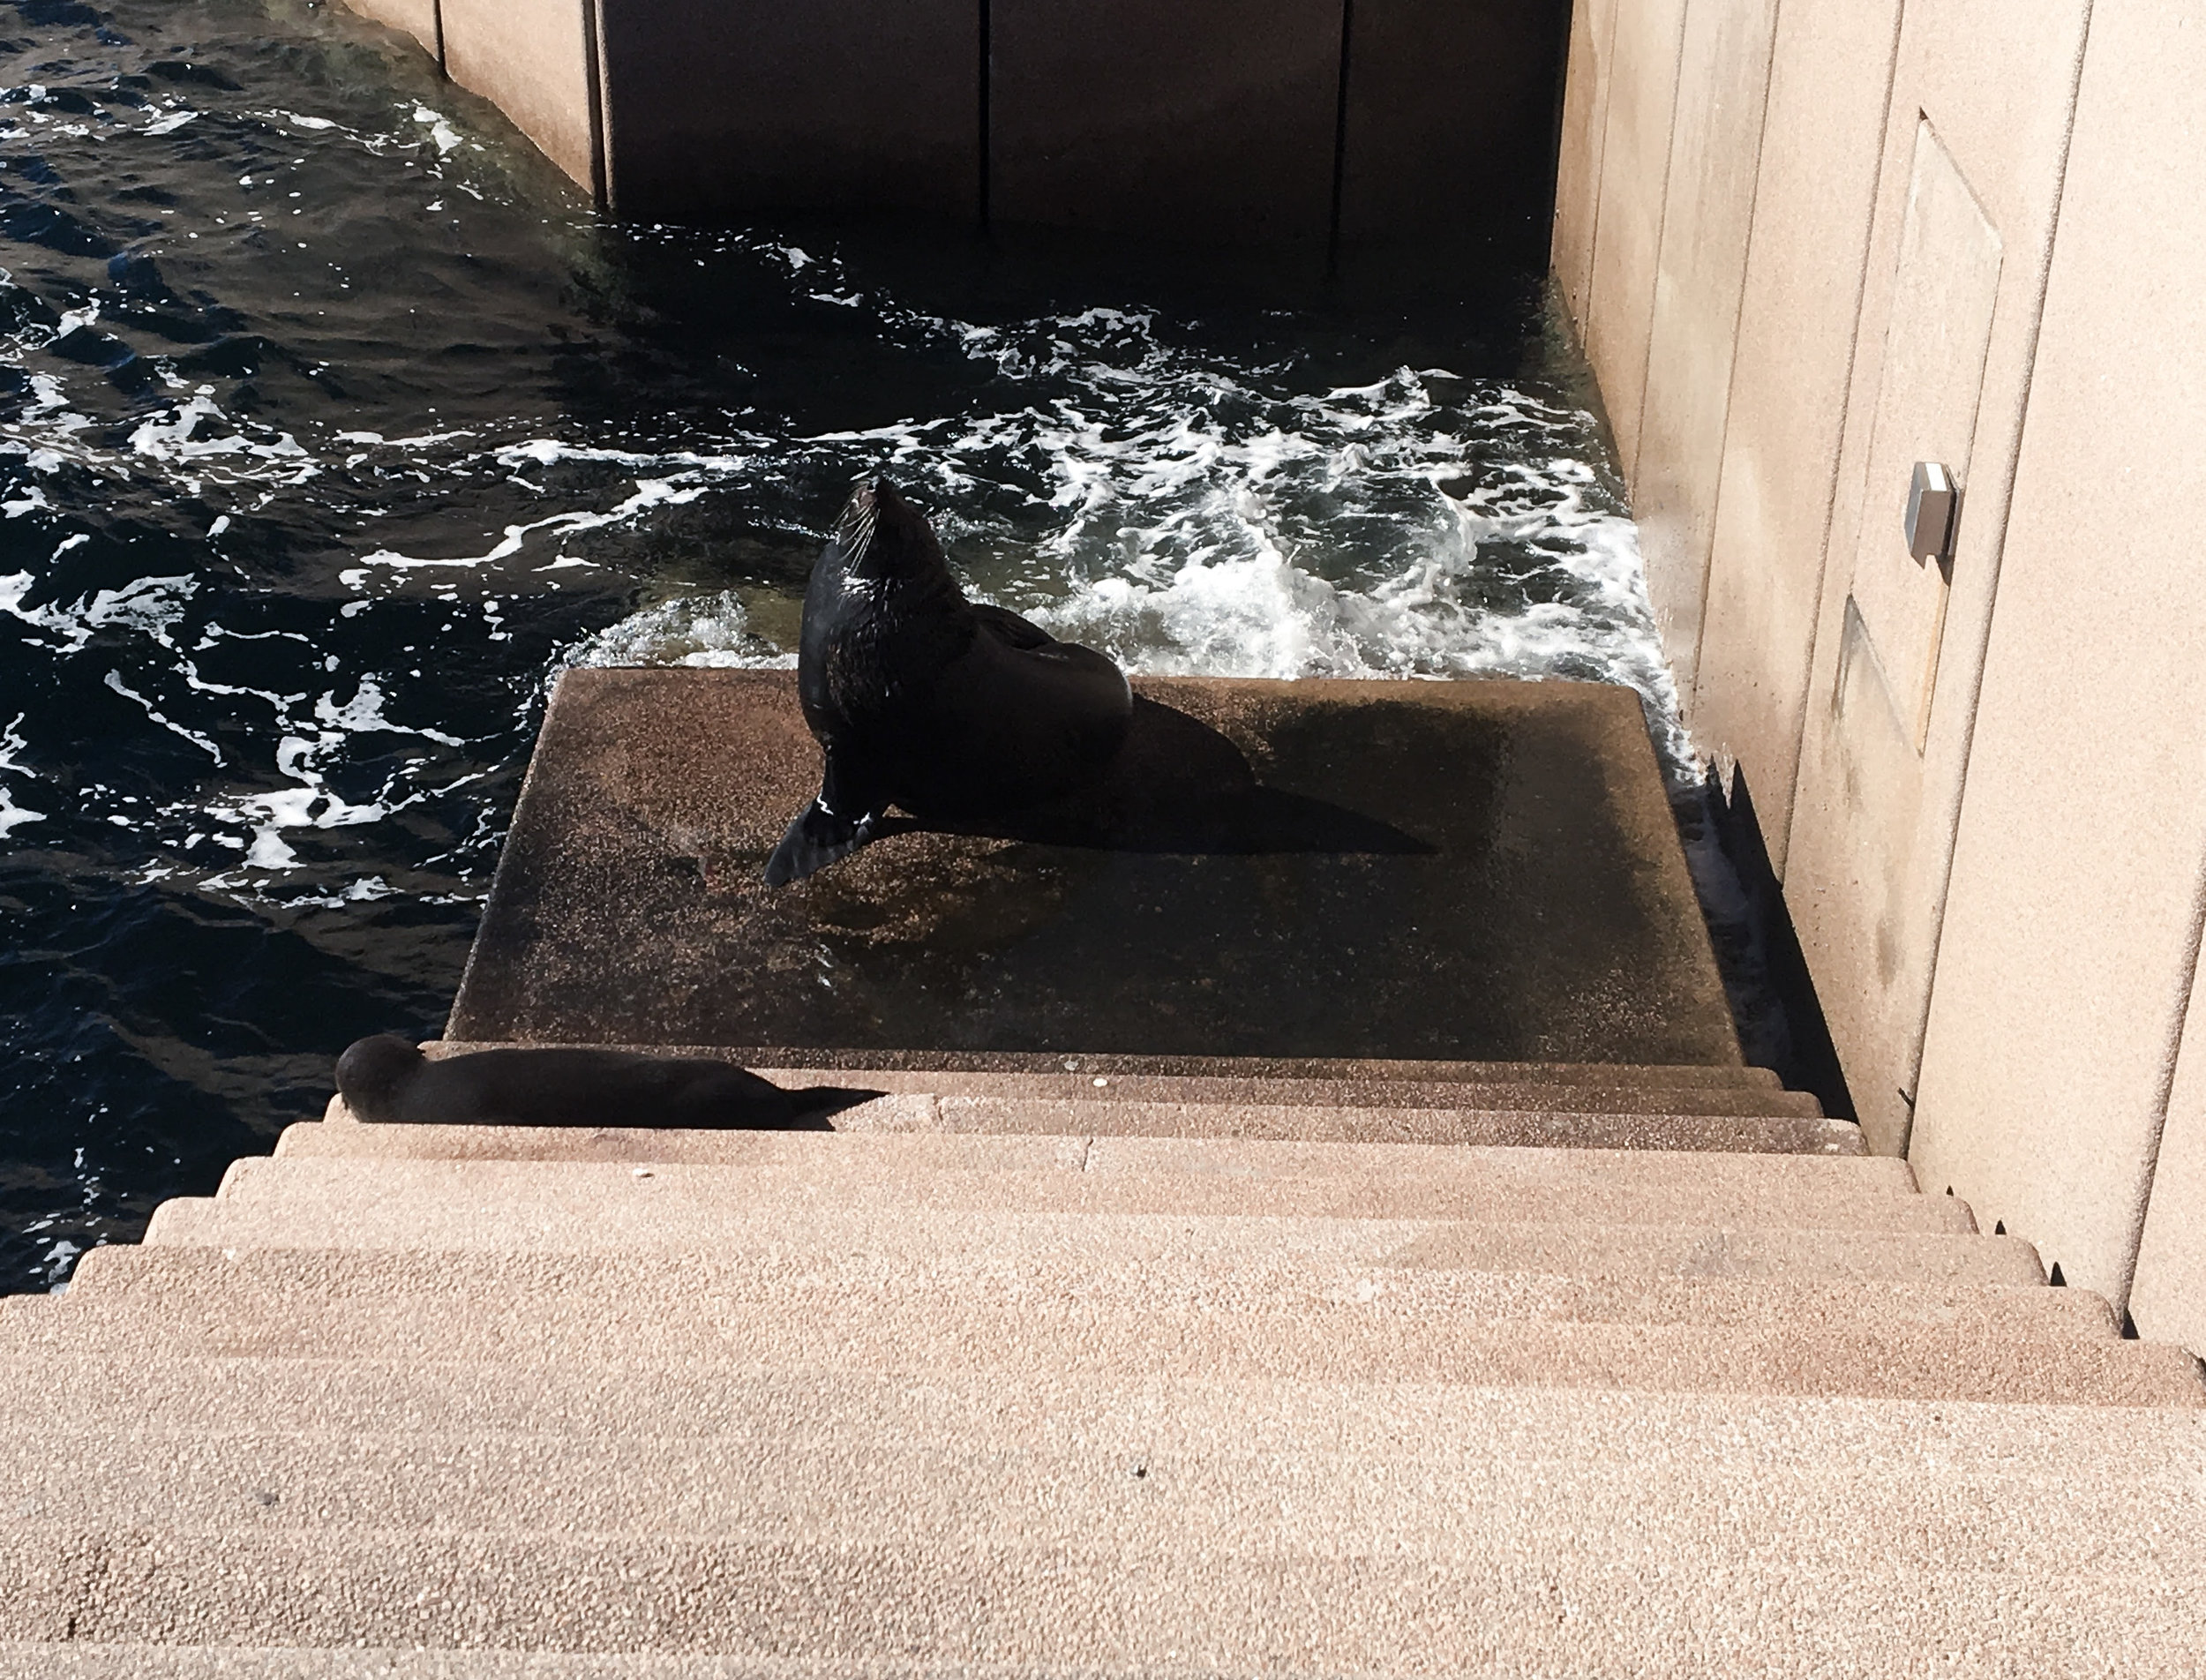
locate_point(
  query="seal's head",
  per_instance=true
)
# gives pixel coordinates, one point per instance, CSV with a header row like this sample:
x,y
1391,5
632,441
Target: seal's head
x,y
372,1074
881,538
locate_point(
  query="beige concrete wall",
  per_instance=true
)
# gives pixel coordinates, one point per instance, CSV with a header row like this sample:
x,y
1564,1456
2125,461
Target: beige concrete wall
x,y
1830,74
1987,85
1578,170
532,59
1975,233
2068,951
2168,1296
1642,86
415,17
1700,272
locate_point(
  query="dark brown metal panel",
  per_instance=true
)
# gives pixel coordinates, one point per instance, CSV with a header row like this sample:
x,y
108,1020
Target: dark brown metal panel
x,y
1200,121
824,105
1450,129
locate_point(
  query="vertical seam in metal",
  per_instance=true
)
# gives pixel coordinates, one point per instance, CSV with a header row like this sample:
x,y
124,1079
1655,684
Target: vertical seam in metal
x,y
1340,135
593,74
436,24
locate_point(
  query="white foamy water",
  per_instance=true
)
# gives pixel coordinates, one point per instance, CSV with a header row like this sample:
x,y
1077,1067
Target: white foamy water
x,y
1191,517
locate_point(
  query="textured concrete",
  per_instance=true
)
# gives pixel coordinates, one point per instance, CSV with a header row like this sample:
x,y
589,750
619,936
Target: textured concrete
x,y
1882,777
1450,120
2168,1293
1803,1441
1700,272
980,1483
1578,170
1173,1271
1646,39
1045,1079
530,59
1823,1580
1830,70
1098,1115
923,1401
1267,1078
415,17
1215,122
1147,1175
1937,334
1724,1133
1510,1246
830,105
1528,876
1415,1326
2070,940
671,1204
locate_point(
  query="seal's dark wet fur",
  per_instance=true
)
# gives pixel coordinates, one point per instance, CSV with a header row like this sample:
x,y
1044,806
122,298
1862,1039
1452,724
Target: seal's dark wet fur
x,y
920,699
388,1080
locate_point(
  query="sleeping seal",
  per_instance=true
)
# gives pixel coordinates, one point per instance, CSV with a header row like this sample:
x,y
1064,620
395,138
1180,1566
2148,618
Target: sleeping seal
x,y
921,699
386,1079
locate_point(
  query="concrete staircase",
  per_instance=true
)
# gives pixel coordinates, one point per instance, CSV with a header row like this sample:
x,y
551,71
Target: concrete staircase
x,y
1101,1366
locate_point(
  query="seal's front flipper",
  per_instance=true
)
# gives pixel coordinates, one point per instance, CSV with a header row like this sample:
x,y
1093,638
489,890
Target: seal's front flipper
x,y
814,840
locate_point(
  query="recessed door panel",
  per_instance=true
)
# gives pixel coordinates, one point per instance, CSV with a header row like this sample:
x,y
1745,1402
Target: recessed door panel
x,y
1945,291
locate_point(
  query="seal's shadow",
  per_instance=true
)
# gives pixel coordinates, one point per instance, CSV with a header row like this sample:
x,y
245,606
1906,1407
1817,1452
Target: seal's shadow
x,y
1178,785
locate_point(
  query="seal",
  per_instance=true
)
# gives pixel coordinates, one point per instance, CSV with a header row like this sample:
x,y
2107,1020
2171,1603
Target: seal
x,y
922,698
386,1079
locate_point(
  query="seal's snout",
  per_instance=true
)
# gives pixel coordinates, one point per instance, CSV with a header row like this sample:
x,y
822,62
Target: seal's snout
x,y
880,534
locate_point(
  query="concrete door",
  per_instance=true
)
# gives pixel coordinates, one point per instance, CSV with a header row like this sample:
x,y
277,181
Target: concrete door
x,y
1975,143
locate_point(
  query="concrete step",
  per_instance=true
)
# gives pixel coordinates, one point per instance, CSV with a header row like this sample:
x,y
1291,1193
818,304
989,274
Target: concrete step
x,y
533,1204
788,1266
739,1170
1301,1121
1137,1483
155,1303
1349,1069
1483,1096
1314,1122
62,1395
1922,1260
76,1660
1658,1578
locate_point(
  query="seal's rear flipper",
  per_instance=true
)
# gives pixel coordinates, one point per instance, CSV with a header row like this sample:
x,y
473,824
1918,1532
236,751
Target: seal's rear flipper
x,y
814,840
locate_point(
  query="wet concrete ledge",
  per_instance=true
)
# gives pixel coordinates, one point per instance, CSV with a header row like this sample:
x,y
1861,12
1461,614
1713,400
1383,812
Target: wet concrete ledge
x,y
1481,871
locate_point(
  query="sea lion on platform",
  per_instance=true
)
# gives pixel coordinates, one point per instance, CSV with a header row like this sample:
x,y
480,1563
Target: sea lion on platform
x,y
386,1079
921,699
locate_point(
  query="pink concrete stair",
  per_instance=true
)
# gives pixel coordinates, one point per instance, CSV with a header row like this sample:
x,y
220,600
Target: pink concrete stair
x,y
1204,1368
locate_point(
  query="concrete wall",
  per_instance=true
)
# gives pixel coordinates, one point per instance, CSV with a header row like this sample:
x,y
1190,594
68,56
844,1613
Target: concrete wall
x,y
2071,935
1216,121
530,59
1966,230
415,17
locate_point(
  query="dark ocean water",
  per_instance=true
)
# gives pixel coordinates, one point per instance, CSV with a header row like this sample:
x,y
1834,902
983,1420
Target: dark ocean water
x,y
332,424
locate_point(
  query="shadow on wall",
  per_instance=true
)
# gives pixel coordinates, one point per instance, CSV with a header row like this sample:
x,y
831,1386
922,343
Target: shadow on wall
x,y
1804,1055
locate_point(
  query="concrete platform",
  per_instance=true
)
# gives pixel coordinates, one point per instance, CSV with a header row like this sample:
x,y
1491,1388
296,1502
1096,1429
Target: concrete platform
x,y
1469,871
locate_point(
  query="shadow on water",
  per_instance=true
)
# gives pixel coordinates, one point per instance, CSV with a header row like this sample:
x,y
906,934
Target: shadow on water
x,y
1180,786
